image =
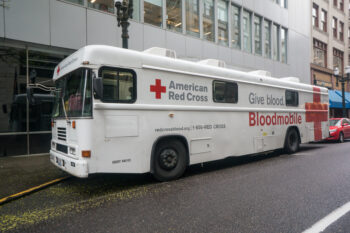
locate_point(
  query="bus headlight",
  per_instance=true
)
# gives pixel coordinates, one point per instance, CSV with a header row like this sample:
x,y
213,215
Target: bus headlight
x,y
53,145
72,150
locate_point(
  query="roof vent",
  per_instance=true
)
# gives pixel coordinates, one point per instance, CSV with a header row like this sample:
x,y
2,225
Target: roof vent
x,y
161,52
213,62
291,79
261,73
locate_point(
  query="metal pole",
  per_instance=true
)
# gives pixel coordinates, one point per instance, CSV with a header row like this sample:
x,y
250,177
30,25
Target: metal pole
x,y
343,95
125,35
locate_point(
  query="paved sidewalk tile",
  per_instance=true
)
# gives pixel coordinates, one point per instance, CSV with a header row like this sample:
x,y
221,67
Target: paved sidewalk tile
x,y
20,173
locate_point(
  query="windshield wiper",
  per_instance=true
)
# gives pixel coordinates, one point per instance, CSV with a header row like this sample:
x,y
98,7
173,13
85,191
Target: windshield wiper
x,y
64,110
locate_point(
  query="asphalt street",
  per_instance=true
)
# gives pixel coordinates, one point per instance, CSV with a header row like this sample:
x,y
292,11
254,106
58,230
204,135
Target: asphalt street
x,y
266,193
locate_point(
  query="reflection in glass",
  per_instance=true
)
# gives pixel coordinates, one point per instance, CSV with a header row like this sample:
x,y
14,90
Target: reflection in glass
x,y
247,31
192,17
41,68
174,15
13,145
118,86
267,51
208,20
257,35
222,22
102,5
276,42
12,86
39,143
284,41
153,12
236,27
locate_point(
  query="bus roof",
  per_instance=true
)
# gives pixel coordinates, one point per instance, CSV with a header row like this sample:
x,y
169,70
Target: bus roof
x,y
102,55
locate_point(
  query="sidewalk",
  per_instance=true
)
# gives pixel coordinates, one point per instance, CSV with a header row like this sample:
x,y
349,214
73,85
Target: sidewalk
x,y
20,173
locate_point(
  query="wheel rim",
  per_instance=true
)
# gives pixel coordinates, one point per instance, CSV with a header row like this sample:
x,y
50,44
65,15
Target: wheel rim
x,y
168,159
341,138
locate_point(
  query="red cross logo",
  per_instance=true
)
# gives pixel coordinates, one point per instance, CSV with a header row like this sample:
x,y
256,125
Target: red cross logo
x,y
316,112
158,89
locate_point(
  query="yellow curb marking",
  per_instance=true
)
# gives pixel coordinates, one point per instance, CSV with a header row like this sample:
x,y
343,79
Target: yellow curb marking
x,y
3,200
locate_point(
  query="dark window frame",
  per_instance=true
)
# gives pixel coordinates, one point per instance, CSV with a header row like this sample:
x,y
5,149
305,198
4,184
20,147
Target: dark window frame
x,y
315,17
321,46
134,96
324,23
297,99
224,100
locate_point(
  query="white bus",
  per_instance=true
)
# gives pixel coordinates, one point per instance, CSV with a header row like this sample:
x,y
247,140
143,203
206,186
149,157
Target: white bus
x,y
123,111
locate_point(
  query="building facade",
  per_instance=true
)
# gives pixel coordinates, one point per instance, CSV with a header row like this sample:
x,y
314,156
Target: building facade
x,y
35,35
330,44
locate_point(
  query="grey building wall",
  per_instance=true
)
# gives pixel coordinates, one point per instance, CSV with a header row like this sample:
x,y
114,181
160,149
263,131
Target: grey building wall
x,y
61,24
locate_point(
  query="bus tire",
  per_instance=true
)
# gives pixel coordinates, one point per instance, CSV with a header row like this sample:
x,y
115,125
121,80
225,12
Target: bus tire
x,y
170,160
292,142
341,137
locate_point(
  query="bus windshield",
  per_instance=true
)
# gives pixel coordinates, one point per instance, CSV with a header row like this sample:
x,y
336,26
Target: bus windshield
x,y
73,97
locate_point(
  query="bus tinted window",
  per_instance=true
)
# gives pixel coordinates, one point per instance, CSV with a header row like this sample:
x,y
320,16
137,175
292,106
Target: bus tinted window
x,y
225,92
119,85
292,98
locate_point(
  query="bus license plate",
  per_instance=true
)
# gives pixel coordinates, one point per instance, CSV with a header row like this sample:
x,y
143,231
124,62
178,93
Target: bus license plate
x,y
60,162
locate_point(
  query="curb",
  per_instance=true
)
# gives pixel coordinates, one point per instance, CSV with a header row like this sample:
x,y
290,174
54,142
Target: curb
x,y
31,190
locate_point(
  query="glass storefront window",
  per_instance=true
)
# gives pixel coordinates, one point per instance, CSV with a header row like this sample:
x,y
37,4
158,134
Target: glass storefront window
x,y
80,2
222,22
13,90
276,42
13,144
236,27
17,125
102,5
192,17
136,10
174,15
257,35
247,31
284,41
267,49
208,20
153,12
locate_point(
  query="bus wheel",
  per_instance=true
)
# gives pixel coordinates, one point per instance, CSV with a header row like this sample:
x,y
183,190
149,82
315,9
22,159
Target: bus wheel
x,y
291,144
170,160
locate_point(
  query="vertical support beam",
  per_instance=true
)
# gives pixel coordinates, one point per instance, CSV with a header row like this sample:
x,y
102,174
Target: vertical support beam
x,y
165,16
27,106
229,20
201,10
253,31
183,16
216,39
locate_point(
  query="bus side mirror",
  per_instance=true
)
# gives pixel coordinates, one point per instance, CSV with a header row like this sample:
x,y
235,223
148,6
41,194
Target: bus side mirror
x,y
30,96
98,88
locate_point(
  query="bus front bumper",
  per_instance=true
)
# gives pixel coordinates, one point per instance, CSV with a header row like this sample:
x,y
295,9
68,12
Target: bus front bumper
x,y
78,168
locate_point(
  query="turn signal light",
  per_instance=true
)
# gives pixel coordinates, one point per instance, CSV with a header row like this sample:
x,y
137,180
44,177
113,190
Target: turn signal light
x,y
73,124
86,153
52,124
